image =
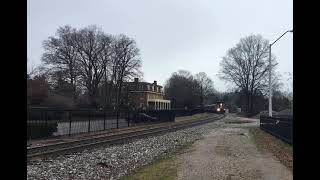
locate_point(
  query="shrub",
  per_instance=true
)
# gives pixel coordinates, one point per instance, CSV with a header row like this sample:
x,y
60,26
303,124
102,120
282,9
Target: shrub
x,y
36,130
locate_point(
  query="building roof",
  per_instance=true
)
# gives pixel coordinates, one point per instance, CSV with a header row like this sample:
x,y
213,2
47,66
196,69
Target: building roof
x,y
146,83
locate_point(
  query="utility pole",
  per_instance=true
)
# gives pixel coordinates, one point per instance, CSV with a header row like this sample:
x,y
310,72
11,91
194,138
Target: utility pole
x,y
270,70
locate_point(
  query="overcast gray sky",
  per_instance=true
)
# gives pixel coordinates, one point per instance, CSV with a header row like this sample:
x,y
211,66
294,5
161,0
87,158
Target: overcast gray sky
x,y
172,34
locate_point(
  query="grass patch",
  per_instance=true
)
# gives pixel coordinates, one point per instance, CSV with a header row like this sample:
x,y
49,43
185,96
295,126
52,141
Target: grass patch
x,y
267,143
163,168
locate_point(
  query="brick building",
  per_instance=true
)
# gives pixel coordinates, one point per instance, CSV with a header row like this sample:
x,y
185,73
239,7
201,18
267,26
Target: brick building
x,y
147,95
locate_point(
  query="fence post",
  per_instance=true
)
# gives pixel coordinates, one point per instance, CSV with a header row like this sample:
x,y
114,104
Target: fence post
x,y
70,119
128,118
104,120
89,121
118,119
41,118
46,117
28,129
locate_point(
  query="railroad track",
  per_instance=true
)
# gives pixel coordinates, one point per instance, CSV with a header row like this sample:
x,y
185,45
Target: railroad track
x,y
116,138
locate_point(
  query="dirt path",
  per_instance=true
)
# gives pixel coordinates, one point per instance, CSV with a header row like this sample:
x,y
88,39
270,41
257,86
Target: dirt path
x,y
228,152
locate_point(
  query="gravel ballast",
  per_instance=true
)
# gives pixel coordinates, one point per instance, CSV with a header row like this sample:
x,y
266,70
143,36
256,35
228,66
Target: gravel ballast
x,y
113,162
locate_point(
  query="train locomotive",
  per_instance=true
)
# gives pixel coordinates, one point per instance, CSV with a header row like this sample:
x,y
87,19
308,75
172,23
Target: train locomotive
x,y
217,108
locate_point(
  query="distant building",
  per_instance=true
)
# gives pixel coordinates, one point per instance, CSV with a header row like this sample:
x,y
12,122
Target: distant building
x,y
145,95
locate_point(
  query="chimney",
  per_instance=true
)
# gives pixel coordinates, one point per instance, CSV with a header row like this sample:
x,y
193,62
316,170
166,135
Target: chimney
x,y
155,82
136,80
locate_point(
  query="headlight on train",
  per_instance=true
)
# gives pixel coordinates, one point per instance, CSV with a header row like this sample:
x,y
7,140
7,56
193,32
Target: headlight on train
x,y
218,109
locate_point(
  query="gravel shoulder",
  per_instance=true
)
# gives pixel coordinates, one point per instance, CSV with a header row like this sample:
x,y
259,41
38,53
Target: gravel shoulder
x,y
219,150
229,152
114,162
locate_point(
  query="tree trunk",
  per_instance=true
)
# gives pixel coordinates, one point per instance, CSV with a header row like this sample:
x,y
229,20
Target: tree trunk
x,y
73,91
248,102
106,89
201,97
73,86
251,104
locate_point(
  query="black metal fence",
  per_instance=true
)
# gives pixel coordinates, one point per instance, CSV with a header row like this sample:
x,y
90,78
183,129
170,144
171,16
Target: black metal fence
x,y
279,126
44,122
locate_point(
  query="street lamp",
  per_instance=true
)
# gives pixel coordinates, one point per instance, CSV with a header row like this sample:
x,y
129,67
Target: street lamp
x,y
270,88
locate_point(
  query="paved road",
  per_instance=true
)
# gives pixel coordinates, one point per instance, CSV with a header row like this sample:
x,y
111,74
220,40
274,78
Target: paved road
x,y
229,153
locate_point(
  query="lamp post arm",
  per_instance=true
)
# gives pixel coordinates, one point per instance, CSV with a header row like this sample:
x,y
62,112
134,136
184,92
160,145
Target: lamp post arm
x,y
280,37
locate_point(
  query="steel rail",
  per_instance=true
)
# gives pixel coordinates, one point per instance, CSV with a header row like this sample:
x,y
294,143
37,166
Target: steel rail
x,y
105,135
75,145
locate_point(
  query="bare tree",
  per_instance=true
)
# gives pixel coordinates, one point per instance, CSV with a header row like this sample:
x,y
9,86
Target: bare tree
x,y
181,88
34,70
92,60
61,54
126,62
37,89
105,57
91,44
29,70
246,66
205,86
276,83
